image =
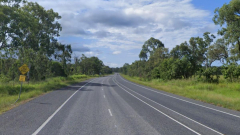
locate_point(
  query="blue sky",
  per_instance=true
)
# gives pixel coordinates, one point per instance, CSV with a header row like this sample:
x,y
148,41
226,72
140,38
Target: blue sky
x,y
115,30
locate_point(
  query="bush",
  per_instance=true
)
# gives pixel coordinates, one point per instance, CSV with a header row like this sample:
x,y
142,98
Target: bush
x,y
231,71
211,75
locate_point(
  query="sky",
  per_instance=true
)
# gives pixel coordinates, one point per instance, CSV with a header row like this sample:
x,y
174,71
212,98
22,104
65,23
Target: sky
x,y
115,30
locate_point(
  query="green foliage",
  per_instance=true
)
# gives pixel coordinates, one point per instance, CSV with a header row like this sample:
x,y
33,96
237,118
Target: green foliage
x,y
155,73
175,69
184,61
210,75
218,51
231,72
57,69
165,69
29,36
9,92
224,94
181,50
75,77
149,48
125,68
106,70
91,66
228,17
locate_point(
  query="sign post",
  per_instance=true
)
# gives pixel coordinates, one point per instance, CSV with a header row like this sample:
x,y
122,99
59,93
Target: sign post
x,y
23,69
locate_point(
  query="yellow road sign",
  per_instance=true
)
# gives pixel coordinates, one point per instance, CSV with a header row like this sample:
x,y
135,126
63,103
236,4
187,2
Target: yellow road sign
x,y
22,78
24,69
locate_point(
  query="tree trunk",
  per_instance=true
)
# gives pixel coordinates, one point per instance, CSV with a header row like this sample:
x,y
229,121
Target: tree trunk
x,y
238,46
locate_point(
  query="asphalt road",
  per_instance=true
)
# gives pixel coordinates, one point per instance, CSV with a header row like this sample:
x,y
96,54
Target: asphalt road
x,y
114,106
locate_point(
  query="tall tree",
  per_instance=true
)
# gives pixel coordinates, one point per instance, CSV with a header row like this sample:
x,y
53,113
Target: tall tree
x,y
218,51
28,26
8,14
180,51
149,47
228,17
63,54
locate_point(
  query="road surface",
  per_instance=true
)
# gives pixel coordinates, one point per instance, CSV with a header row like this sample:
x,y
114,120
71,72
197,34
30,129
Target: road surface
x,y
114,106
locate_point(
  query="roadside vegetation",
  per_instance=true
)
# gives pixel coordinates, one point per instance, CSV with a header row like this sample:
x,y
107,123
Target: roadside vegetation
x,y
224,94
188,68
29,35
9,92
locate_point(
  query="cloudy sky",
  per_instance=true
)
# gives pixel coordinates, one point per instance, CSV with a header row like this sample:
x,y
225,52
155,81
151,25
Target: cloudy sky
x,y
115,30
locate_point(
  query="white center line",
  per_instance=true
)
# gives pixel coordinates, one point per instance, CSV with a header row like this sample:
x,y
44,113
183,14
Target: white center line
x,y
110,112
104,96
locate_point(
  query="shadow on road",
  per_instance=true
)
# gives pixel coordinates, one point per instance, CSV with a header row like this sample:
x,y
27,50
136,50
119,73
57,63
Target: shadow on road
x,y
99,84
75,87
40,103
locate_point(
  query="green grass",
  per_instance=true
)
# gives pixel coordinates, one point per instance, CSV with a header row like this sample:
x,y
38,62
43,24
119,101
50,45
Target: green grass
x,y
9,92
224,94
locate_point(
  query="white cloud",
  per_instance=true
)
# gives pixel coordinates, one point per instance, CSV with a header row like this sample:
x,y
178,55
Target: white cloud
x,y
112,64
121,25
91,53
116,46
116,52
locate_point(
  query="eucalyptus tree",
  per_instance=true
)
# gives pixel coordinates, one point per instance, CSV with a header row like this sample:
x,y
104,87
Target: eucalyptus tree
x,y
28,26
218,51
180,51
39,28
149,47
63,53
228,17
8,15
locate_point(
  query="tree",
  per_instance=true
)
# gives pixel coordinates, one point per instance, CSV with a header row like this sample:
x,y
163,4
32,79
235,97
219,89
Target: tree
x,y
143,55
231,71
8,15
228,17
57,69
149,47
96,65
218,51
92,65
199,47
159,55
63,54
125,68
181,50
106,70
28,26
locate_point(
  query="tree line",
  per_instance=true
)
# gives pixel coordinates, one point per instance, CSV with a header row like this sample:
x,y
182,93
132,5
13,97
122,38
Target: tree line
x,y
29,35
195,57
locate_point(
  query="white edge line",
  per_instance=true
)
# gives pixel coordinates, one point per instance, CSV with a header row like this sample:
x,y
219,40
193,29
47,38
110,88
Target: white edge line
x,y
172,110
161,112
110,112
182,99
49,118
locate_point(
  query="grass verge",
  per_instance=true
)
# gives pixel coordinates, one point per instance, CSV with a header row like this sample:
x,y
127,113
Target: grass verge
x,y
9,92
224,94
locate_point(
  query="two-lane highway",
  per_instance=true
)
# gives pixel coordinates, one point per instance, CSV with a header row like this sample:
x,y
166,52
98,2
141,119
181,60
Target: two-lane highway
x,y
114,106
